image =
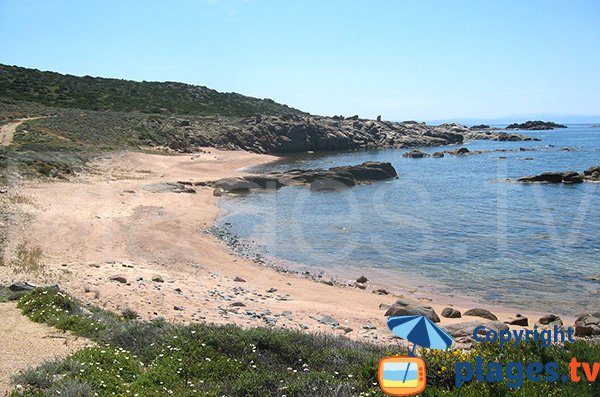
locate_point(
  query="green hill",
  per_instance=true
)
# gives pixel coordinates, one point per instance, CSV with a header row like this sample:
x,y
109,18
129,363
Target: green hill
x,y
96,93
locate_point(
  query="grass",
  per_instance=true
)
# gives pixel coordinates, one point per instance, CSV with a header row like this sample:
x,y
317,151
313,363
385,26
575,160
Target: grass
x,y
134,357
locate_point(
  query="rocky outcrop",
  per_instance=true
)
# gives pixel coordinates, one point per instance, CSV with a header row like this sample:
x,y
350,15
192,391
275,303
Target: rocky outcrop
x,y
535,125
404,307
592,174
318,179
297,133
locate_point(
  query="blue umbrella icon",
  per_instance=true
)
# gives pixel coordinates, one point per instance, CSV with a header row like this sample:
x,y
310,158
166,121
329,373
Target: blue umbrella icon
x,y
420,331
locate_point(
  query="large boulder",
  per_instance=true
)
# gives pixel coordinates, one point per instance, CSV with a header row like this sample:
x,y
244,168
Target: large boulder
x,y
588,324
368,171
449,312
483,313
404,307
466,329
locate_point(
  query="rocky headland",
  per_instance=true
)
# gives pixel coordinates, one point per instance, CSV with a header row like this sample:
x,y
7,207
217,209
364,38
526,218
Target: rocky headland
x,y
297,133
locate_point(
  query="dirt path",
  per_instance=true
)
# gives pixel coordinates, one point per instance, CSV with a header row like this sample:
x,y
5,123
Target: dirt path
x,y
17,337
7,131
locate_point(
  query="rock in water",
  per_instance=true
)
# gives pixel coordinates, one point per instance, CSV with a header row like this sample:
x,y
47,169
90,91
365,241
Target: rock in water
x,y
535,125
415,154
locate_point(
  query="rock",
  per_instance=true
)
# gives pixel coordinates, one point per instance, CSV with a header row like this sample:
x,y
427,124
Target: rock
x,y
466,329
234,185
118,279
480,127
239,279
178,308
328,281
20,287
333,183
483,313
381,291
271,290
384,306
551,177
360,285
328,320
369,326
403,307
520,321
571,177
158,279
438,154
459,152
218,192
346,330
238,304
594,278
535,125
592,173
368,171
362,279
318,179
550,319
415,154
449,312
588,324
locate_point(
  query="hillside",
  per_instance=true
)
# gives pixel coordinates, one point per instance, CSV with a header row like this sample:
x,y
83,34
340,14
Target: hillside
x,y
96,93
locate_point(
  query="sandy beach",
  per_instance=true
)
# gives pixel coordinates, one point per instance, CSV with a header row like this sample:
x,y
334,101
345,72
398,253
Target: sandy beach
x,y
109,223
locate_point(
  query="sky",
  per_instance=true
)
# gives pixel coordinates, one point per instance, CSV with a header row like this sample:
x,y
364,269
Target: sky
x,y
419,60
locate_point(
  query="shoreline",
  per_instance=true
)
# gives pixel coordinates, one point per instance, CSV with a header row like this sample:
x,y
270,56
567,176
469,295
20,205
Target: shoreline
x,y
112,225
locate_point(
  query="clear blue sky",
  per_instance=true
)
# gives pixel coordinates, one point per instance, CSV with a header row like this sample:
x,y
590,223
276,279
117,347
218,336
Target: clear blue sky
x,y
403,59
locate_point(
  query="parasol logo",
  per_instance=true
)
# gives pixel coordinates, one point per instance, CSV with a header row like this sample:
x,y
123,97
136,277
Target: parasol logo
x,y
406,375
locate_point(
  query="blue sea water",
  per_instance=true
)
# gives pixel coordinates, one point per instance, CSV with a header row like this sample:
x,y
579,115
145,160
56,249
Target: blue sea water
x,y
453,222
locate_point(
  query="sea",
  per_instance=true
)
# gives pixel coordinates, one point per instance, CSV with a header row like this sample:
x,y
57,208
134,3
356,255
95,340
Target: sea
x,y
456,226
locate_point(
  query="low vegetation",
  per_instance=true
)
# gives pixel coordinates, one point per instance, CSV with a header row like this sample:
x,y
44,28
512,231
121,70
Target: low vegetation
x,y
95,93
134,357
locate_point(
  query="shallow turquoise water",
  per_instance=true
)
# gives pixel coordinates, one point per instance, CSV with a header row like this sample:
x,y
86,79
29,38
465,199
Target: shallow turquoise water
x,y
451,221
